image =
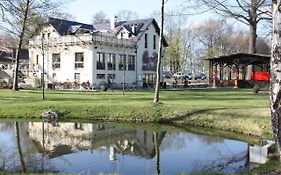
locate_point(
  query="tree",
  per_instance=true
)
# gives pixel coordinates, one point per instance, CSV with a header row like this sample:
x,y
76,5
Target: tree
x,y
214,37
99,18
19,18
126,15
263,47
275,87
173,56
8,40
249,12
157,86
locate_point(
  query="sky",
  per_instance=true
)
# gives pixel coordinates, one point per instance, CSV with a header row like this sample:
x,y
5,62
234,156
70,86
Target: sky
x,y
83,10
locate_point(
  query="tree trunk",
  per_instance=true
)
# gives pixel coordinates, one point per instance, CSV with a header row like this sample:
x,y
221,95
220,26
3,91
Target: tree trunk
x,y
252,46
157,86
16,72
252,35
275,86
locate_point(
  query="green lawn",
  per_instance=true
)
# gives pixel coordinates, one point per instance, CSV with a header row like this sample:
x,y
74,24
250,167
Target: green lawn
x,y
229,109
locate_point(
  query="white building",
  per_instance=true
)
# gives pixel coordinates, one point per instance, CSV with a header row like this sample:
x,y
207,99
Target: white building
x,y
77,52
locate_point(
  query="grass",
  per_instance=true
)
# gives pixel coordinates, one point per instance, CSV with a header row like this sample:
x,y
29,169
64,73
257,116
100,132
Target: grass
x,y
235,110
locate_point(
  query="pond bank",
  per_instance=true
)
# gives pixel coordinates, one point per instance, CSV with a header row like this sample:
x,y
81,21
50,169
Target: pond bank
x,y
236,110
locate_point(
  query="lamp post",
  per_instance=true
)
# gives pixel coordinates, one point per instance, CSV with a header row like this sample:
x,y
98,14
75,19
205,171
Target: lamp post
x,y
43,67
124,67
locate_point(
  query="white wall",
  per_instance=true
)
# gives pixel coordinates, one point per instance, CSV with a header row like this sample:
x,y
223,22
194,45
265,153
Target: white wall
x,y
89,72
130,76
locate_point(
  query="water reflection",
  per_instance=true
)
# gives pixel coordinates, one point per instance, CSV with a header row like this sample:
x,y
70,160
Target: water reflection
x,y
107,148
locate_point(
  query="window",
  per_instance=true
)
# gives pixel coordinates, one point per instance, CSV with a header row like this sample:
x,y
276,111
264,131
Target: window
x,y
145,40
55,61
110,76
79,60
122,62
54,75
100,61
131,62
154,41
37,59
77,77
111,61
100,76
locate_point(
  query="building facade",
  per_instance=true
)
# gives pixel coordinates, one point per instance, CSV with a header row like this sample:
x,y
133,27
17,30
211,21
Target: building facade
x,y
119,52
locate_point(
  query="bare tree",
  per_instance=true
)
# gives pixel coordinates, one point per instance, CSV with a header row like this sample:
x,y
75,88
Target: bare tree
x,y
99,18
157,86
126,15
22,18
249,12
8,40
275,87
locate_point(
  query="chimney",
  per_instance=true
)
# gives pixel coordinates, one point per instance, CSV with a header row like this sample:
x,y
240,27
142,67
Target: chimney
x,y
134,29
113,20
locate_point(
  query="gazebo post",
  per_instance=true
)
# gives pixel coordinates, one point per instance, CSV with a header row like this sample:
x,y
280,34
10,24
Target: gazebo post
x,y
236,76
221,73
214,77
210,71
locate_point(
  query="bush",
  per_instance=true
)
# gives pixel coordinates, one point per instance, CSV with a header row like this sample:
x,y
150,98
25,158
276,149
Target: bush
x,y
255,89
103,86
37,82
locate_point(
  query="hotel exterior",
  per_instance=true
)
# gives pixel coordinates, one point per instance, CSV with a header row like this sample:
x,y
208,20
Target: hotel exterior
x,y
124,51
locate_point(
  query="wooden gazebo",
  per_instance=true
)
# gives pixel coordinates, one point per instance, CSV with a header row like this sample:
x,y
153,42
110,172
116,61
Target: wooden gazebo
x,y
230,70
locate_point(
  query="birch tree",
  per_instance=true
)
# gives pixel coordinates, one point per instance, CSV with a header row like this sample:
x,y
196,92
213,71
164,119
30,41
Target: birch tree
x,y
275,86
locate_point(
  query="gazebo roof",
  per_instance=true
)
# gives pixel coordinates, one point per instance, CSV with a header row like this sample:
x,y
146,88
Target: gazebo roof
x,y
241,58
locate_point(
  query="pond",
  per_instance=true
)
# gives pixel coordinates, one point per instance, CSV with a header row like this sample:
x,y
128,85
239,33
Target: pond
x,y
94,148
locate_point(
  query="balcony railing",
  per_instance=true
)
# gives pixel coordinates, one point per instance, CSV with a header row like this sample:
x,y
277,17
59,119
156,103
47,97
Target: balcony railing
x,y
82,39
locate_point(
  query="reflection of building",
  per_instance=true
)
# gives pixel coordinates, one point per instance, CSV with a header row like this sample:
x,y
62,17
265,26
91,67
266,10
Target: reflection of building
x,y
65,138
80,52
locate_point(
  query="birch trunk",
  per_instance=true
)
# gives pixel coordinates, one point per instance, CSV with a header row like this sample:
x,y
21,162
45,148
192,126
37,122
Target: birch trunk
x,y
275,80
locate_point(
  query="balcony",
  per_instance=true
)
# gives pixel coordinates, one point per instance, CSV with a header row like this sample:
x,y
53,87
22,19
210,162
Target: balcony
x,y
82,39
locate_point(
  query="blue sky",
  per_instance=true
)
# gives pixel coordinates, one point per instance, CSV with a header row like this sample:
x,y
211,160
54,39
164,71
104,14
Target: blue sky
x,y
83,10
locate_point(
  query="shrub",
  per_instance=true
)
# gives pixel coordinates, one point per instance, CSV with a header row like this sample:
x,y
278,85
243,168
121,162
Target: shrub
x,y
37,82
255,89
103,86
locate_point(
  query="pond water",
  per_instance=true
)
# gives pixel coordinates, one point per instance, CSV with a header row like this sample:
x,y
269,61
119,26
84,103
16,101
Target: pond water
x,y
94,148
